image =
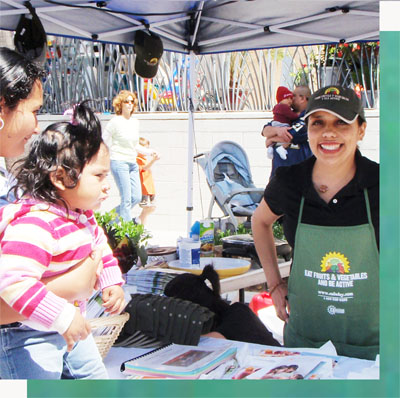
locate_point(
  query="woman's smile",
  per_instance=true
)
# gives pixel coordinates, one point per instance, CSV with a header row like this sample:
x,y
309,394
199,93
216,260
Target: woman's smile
x,y
331,147
331,139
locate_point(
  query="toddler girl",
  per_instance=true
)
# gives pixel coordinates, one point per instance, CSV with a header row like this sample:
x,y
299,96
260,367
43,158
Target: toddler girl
x,y
46,232
146,180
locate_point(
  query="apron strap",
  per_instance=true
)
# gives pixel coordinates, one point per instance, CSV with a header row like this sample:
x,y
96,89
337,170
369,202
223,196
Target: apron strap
x,y
301,210
367,206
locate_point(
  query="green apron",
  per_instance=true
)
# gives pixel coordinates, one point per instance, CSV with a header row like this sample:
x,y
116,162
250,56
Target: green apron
x,y
333,288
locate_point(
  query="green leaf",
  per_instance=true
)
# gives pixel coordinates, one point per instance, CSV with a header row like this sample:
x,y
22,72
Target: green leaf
x,y
135,234
142,254
277,230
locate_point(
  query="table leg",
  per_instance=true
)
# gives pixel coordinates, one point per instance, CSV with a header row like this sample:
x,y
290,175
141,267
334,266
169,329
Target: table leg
x,y
241,295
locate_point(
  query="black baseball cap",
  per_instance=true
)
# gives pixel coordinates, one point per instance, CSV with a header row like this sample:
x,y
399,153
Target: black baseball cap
x,y
148,49
337,100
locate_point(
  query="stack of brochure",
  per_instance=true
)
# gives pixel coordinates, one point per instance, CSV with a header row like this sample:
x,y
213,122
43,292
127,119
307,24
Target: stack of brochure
x,y
147,281
176,361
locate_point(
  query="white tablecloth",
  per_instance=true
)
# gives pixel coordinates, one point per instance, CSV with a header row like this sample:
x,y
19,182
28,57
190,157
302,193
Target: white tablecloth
x,y
347,368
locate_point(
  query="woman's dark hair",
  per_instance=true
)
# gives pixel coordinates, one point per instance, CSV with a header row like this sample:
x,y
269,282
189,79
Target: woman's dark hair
x,y
194,288
360,120
17,76
69,145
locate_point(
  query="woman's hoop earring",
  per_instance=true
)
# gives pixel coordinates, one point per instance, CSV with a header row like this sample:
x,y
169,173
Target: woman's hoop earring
x,y
1,123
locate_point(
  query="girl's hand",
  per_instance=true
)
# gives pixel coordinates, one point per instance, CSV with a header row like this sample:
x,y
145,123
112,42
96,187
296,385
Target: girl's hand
x,y
78,330
114,299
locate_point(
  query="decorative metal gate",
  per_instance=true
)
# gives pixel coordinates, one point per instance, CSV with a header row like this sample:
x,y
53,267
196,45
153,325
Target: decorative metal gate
x,y
233,81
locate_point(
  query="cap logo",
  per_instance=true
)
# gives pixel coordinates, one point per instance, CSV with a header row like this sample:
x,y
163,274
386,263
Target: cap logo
x,y
153,61
332,90
332,94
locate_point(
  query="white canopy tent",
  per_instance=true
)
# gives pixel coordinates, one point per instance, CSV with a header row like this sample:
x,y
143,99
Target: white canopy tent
x,y
204,27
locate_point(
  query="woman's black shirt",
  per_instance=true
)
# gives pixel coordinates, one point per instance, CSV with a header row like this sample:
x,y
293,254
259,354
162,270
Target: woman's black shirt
x,y
346,208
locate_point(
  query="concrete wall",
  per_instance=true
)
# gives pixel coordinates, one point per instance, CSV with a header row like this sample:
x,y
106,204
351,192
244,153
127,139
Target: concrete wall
x,y
167,133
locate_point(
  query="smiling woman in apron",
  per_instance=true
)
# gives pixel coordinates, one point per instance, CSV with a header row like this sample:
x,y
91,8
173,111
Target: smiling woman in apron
x,y
330,205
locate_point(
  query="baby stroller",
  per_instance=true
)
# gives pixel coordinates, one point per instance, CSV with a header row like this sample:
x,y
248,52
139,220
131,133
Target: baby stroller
x,y
228,175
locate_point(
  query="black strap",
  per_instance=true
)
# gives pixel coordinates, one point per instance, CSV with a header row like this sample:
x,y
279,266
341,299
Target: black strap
x,y
11,325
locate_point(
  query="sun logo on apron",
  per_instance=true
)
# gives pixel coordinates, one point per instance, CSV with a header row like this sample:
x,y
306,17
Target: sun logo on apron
x,y
335,263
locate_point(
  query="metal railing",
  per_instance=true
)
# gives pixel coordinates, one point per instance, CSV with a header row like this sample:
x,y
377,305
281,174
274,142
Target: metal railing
x,y
233,81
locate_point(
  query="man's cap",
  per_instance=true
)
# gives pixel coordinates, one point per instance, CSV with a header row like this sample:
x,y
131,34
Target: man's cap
x,y
148,49
337,100
282,93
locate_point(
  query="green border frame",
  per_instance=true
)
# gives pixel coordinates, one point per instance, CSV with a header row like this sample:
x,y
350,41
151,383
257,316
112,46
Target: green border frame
x,y
388,385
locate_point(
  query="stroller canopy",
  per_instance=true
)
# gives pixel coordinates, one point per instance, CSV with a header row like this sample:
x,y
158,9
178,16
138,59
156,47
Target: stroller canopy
x,y
231,153
228,174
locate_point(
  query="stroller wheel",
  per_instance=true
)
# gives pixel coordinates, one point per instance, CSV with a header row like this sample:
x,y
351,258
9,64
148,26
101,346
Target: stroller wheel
x,y
230,227
247,224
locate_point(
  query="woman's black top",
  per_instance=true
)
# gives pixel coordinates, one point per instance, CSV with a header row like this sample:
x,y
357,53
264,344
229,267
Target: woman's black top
x,y
346,208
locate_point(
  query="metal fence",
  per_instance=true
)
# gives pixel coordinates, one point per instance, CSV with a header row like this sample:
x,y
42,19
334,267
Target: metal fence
x,y
233,81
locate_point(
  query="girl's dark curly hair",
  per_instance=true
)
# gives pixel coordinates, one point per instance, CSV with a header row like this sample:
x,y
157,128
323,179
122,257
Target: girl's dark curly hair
x,y
69,145
17,76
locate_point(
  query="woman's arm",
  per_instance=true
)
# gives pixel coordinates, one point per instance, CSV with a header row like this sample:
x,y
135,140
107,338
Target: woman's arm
x,y
261,223
276,134
76,284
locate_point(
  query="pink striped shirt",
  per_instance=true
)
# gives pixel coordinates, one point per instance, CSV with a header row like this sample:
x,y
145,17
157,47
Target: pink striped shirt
x,y
40,240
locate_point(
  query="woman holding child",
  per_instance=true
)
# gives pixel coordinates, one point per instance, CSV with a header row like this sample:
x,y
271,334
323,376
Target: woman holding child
x,y
56,342
331,208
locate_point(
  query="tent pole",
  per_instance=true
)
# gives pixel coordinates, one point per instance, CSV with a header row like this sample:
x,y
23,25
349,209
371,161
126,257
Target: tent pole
x,y
192,80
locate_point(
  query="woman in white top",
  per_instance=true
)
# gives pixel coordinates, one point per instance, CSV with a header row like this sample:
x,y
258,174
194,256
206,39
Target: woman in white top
x,y
122,137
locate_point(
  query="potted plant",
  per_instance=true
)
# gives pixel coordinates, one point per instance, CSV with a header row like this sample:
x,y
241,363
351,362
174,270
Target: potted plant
x,y
126,239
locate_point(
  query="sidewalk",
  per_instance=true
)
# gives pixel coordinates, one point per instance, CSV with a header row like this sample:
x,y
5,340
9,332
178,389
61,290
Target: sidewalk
x,y
161,238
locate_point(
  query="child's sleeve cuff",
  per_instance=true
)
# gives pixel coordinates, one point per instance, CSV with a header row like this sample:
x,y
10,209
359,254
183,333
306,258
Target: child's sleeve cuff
x,y
64,319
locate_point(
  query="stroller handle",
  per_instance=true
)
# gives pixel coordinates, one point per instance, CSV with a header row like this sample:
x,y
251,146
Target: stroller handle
x,y
198,155
244,190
